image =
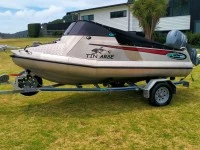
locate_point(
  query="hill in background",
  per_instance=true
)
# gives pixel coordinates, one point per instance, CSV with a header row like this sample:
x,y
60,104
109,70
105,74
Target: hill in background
x,y
21,34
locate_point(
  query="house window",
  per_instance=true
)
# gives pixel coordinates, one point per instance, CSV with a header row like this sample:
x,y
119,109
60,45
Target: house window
x,y
197,26
185,5
178,7
170,8
87,17
118,14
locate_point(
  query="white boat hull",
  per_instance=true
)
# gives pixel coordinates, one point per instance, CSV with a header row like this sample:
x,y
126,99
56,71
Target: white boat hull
x,y
66,73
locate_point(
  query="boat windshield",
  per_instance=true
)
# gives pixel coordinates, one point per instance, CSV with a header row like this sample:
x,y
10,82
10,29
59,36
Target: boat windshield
x,y
69,28
87,29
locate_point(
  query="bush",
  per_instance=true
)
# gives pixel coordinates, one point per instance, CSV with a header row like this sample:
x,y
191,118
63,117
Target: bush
x,y
34,30
193,38
159,37
57,33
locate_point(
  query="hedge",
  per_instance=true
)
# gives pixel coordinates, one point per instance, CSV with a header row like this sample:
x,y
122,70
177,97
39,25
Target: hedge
x,y
34,29
193,38
159,37
57,33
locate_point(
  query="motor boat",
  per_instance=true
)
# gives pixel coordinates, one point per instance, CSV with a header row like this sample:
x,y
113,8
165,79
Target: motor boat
x,y
91,53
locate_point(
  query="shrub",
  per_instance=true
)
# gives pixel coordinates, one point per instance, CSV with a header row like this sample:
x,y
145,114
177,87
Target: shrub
x,y
159,37
34,30
193,38
57,33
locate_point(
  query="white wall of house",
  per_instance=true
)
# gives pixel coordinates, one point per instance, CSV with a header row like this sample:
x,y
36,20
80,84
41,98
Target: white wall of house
x,y
175,23
102,16
166,23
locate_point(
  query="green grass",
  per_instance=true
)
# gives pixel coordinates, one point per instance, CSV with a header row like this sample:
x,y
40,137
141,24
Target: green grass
x,y
121,120
24,41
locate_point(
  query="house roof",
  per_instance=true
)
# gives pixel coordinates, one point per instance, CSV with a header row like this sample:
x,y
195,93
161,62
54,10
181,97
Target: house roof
x,y
127,3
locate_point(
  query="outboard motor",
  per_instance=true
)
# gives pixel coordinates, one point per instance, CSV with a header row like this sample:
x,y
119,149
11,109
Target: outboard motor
x,y
176,39
193,55
179,40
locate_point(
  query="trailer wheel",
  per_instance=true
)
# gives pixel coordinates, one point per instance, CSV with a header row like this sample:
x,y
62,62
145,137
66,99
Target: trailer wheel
x,y
30,82
161,95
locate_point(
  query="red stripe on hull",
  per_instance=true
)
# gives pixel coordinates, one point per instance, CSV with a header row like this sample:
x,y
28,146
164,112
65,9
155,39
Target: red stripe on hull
x,y
138,49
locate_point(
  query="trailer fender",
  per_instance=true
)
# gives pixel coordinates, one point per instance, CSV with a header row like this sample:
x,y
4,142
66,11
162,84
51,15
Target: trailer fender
x,y
153,82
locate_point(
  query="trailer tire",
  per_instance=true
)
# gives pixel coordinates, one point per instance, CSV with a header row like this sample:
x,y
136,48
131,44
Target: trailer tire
x,y
40,83
161,94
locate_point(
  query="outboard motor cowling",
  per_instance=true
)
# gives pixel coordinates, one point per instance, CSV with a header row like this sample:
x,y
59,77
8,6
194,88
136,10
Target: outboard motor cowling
x,y
179,40
176,39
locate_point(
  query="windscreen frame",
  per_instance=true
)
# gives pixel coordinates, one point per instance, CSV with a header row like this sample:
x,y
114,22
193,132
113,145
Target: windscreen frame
x,y
85,28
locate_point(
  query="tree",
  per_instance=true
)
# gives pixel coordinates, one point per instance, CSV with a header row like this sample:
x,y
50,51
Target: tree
x,y
56,21
68,18
149,12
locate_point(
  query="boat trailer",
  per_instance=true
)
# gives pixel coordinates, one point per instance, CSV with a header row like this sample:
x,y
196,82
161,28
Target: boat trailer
x,y
158,91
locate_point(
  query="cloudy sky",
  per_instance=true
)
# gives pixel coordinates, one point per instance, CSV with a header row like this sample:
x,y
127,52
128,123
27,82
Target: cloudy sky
x,y
16,14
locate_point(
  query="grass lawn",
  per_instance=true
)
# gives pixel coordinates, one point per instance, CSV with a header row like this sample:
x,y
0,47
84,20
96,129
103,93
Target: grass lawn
x,y
122,120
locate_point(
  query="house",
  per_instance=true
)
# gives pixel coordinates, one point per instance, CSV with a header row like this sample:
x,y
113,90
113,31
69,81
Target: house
x,y
181,15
